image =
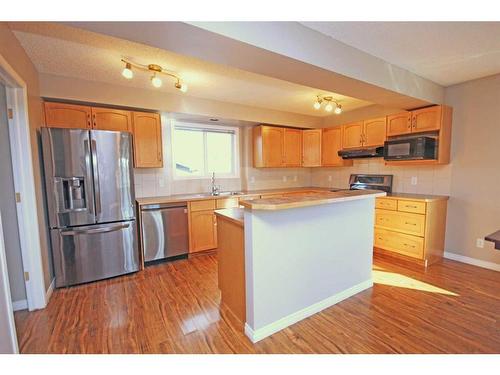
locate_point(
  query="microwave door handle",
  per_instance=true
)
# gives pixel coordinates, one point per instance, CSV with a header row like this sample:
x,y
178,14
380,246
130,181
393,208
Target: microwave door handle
x,y
97,189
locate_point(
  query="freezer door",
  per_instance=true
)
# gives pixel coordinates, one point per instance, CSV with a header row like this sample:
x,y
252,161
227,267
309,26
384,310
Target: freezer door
x,y
94,252
164,232
113,175
68,177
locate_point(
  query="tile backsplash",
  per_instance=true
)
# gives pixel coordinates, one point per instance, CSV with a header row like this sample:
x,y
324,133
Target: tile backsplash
x,y
428,179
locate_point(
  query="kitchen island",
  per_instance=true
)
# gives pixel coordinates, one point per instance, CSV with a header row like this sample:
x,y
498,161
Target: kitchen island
x,y
301,255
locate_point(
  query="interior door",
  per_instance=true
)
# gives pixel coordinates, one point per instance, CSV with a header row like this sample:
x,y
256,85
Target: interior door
x,y
113,175
68,177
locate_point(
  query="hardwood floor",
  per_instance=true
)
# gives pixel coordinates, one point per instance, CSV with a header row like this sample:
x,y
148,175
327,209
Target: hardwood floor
x,y
174,308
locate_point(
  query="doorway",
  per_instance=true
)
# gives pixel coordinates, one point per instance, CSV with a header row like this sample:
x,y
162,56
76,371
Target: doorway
x,y
8,212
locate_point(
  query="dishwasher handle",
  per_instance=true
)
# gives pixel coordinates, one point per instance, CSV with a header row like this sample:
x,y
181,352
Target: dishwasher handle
x,y
160,206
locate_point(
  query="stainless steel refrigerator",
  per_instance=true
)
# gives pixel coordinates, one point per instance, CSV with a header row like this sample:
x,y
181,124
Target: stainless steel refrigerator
x,y
90,198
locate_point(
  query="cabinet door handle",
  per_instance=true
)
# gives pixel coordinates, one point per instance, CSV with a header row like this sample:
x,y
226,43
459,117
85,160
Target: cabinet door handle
x,y
95,124
88,121
408,223
159,155
409,122
410,206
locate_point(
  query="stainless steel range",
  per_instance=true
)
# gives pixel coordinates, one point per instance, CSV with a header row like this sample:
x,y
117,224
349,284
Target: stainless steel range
x,y
370,182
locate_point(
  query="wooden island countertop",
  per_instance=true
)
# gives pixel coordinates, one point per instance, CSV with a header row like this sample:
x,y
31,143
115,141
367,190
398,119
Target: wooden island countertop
x,y
307,200
234,215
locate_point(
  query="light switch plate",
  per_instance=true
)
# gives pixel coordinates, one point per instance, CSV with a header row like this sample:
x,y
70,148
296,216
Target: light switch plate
x,y
295,178
329,178
284,178
480,243
252,179
414,180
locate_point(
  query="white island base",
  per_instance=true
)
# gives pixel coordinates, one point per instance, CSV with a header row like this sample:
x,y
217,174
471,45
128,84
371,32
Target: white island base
x,y
301,260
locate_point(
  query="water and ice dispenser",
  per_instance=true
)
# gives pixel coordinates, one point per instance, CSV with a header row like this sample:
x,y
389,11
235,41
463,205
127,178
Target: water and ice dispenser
x,y
71,193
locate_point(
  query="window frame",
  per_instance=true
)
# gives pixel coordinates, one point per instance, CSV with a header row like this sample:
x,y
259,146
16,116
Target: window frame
x,y
204,126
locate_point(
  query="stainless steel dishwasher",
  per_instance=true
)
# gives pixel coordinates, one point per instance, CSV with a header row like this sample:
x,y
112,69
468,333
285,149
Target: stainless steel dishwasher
x,y
164,230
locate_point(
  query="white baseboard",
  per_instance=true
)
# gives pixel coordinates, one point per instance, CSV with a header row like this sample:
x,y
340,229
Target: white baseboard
x,y
269,329
20,305
49,291
473,261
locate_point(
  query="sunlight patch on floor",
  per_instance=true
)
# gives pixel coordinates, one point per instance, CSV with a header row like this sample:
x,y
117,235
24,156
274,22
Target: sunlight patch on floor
x,y
402,281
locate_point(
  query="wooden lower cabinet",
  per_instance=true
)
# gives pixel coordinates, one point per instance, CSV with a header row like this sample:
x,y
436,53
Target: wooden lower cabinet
x,y
203,231
411,228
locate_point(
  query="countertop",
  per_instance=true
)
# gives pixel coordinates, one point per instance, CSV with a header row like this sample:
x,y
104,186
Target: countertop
x,y
234,215
422,197
205,196
246,193
309,200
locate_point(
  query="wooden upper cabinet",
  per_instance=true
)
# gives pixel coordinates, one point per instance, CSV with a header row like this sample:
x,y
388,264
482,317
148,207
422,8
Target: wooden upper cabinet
x,y
111,119
268,146
352,135
426,119
147,140
399,124
311,148
331,144
71,116
292,147
374,132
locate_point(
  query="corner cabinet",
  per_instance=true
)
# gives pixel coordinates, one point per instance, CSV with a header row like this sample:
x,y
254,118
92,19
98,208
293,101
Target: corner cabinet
x,y
311,148
147,140
331,144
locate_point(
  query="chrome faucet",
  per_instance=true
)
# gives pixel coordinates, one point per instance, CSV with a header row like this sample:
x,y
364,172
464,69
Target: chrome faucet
x,y
214,189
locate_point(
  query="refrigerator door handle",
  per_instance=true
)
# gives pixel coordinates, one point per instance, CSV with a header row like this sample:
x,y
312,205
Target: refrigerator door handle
x,y
74,232
97,190
90,205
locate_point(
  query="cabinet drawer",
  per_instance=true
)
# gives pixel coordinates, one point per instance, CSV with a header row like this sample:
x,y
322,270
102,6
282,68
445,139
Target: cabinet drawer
x,y
401,221
386,204
202,205
227,203
416,207
404,244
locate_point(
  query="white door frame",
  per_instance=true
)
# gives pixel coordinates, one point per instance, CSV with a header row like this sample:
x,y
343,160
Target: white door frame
x,y
24,183
5,294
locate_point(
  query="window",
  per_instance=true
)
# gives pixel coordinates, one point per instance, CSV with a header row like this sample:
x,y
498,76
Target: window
x,y
199,150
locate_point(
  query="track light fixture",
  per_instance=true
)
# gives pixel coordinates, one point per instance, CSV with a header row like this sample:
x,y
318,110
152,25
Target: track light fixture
x,y
329,104
156,70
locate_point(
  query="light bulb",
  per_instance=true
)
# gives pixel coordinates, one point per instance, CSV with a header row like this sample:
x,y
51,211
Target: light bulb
x,y
329,107
338,109
317,105
127,71
155,81
184,87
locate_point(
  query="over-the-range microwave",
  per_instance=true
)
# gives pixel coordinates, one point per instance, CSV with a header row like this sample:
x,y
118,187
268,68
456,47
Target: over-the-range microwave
x,y
414,148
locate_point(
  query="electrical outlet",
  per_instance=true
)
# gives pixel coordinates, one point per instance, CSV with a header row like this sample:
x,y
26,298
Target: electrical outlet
x,y
480,243
414,180
284,178
295,178
252,179
330,178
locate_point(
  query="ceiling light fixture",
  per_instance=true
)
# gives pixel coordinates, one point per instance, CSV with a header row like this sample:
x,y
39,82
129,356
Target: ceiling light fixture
x,y
329,104
156,70
127,71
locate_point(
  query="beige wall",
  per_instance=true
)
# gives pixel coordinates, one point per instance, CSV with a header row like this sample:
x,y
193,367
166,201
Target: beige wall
x,y
474,207
14,54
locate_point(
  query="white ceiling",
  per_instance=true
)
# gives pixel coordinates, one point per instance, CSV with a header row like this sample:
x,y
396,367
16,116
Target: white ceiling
x,y
446,53
65,51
